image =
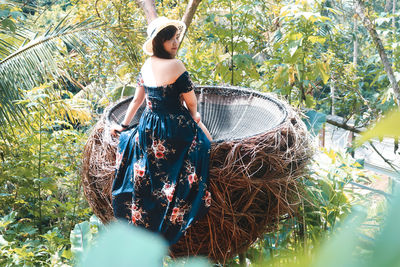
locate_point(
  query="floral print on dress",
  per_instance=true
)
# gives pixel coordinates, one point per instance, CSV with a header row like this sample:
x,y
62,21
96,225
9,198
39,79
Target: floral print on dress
x,y
192,177
177,215
178,212
139,170
137,138
194,143
158,149
168,190
207,199
136,214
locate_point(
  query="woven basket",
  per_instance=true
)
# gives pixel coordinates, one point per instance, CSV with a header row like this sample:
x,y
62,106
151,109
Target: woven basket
x,y
260,148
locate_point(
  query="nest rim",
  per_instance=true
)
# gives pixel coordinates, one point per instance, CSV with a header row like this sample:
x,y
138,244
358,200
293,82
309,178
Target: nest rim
x,y
234,90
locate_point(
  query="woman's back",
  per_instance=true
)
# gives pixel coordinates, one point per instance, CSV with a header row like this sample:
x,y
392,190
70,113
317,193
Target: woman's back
x,y
159,72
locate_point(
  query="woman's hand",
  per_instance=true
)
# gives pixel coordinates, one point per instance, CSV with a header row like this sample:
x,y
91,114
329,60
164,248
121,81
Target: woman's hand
x,y
116,129
197,117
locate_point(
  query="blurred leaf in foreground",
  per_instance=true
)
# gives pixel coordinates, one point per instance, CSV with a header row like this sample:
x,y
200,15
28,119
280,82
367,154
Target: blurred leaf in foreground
x,y
124,245
341,250
120,244
387,127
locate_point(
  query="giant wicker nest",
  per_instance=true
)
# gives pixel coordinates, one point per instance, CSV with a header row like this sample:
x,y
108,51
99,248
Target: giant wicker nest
x,y
259,151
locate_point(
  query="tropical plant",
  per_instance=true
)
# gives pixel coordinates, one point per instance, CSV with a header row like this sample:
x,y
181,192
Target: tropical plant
x,y
37,59
41,196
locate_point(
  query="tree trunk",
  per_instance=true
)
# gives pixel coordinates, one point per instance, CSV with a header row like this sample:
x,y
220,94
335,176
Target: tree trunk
x,y
388,5
149,8
190,11
394,16
393,30
355,43
332,98
360,10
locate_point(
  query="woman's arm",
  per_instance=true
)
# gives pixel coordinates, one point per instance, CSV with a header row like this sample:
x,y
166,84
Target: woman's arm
x,y
134,105
191,102
205,130
131,111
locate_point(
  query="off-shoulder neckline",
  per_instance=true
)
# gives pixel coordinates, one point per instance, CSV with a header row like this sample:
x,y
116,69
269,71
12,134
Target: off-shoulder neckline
x,y
166,84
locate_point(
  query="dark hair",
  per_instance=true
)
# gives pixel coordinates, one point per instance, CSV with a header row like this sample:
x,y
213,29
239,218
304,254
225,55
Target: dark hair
x,y
165,34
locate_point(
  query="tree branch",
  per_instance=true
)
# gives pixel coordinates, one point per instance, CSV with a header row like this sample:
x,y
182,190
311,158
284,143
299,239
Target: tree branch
x,y
360,10
331,120
384,159
377,191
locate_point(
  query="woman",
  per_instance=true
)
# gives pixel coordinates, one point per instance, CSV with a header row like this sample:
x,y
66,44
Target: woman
x,y
161,180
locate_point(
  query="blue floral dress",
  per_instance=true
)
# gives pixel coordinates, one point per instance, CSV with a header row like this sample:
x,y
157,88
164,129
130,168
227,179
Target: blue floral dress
x,y
161,180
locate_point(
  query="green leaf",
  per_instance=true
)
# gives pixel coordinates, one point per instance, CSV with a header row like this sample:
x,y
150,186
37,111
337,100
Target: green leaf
x,y
67,254
6,220
387,127
125,245
281,76
8,23
294,45
317,39
387,245
310,101
4,13
80,238
339,250
315,121
323,70
3,242
17,14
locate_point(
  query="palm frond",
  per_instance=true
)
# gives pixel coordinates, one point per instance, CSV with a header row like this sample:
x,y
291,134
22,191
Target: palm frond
x,y
36,61
21,4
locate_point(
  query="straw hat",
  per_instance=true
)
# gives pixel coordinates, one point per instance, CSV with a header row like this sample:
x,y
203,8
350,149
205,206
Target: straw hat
x,y
156,26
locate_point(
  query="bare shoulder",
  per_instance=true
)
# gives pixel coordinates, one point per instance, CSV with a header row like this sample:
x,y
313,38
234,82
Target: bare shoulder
x,y
144,65
176,65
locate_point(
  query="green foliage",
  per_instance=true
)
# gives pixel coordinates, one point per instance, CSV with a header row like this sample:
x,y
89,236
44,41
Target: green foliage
x,y
226,37
36,62
329,198
343,247
116,62
298,65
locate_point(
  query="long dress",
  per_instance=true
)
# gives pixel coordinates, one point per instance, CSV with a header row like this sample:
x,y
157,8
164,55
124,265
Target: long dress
x,y
161,179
